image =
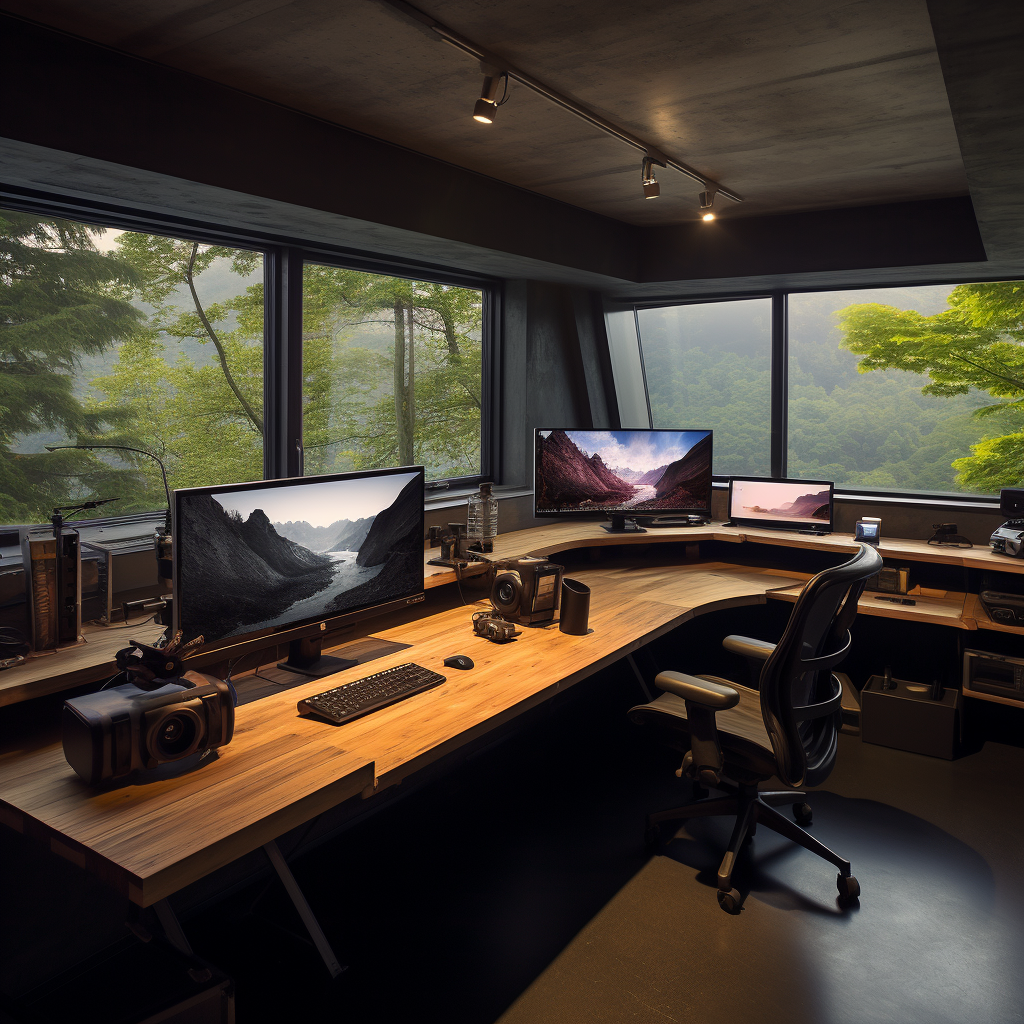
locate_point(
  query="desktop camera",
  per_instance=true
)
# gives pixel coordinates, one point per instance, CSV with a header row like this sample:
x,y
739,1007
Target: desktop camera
x,y
113,734
526,590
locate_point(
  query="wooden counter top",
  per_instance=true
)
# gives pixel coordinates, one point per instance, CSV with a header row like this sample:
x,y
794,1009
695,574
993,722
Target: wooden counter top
x,y
280,769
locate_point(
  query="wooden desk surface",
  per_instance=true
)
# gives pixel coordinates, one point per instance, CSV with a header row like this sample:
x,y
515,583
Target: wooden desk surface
x,y
280,769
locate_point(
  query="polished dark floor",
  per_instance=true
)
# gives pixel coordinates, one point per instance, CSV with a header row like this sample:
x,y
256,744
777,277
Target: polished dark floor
x,y
516,888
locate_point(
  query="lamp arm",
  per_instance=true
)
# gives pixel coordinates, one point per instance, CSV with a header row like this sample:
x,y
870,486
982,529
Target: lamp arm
x,y
120,448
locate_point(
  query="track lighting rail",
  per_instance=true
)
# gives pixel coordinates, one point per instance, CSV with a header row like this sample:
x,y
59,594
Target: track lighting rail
x,y
485,57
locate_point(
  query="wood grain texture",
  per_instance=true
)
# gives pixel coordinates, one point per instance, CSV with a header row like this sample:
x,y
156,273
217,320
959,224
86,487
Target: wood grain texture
x,y
73,666
281,769
943,611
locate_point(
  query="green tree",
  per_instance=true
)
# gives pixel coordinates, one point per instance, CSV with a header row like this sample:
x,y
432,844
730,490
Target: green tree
x,y
60,301
974,345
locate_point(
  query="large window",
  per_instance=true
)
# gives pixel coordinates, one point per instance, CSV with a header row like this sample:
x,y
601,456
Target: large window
x,y
917,389
119,338
391,373
114,339
708,365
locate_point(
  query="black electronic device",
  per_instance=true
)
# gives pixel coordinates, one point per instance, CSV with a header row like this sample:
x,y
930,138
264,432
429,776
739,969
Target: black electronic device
x,y
459,661
492,628
948,534
1006,609
291,559
526,590
361,696
996,674
1011,502
624,474
113,735
781,504
921,718
868,530
52,559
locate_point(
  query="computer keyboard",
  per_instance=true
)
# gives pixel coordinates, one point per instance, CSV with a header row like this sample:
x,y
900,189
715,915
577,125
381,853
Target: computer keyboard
x,y
361,696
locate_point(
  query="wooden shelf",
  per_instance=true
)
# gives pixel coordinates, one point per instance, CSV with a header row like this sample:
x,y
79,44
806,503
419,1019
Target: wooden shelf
x,y
993,697
942,611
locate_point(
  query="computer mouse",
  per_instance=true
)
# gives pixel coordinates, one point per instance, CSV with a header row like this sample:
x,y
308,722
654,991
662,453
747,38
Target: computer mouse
x,y
458,661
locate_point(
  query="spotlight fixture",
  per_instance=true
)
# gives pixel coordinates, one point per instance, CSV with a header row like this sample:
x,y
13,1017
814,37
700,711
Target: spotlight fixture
x,y
707,200
488,103
651,187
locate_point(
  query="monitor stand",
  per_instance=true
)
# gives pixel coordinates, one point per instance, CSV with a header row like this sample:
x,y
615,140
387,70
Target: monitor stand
x,y
620,524
305,658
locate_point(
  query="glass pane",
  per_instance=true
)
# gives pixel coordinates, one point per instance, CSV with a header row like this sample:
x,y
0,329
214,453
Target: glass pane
x,y
121,338
909,389
392,373
624,350
708,365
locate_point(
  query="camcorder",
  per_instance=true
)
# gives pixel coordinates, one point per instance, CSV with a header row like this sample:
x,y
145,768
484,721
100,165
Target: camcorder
x,y
161,714
526,590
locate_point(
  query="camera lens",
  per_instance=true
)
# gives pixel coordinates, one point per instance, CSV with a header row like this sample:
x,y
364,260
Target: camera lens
x,y
506,593
175,736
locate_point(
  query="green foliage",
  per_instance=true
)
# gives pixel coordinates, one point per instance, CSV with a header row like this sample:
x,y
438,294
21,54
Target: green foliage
x,y
973,346
60,301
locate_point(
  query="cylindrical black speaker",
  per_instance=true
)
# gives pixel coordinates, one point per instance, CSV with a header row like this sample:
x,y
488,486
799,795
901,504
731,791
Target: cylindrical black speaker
x,y
575,609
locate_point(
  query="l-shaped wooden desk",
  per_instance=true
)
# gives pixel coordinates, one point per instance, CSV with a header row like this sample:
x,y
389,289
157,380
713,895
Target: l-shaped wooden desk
x,y
280,770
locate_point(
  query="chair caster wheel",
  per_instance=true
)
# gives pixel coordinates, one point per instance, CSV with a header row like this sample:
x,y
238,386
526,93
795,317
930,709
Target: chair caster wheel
x,y
652,836
849,888
729,901
802,813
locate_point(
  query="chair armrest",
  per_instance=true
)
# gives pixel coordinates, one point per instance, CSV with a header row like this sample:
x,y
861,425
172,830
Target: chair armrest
x,y
760,650
700,691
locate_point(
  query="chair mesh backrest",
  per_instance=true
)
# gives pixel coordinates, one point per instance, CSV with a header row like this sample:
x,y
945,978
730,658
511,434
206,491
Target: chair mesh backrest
x,y
819,628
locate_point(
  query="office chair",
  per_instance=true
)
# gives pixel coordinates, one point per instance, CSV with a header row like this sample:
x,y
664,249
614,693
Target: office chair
x,y
788,729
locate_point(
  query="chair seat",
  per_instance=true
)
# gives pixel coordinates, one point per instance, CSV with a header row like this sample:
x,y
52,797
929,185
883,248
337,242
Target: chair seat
x,y
741,730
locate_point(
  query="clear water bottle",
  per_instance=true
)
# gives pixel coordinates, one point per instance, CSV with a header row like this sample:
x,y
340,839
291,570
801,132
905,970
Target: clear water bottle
x,y
482,519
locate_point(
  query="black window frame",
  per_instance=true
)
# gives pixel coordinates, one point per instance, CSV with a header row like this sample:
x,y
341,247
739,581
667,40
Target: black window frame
x,y
779,416
284,257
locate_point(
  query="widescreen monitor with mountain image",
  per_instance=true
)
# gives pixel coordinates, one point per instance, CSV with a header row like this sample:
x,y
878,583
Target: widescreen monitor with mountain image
x,y
292,559
781,504
642,475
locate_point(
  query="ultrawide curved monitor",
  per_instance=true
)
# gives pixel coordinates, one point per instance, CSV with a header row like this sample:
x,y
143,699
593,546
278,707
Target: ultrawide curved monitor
x,y
282,556
633,473
781,504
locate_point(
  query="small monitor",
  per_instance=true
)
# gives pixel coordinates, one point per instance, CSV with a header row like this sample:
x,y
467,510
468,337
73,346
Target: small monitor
x,y
624,474
781,504
291,559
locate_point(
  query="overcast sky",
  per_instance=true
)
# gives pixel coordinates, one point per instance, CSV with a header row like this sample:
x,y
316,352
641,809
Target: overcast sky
x,y
321,503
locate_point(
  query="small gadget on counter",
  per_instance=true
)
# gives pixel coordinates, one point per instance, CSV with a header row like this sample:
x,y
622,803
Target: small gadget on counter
x,y
161,714
890,580
575,612
946,534
459,661
868,530
1008,539
492,628
526,590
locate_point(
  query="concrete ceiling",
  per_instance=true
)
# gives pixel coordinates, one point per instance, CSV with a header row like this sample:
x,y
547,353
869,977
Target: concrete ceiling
x,y
803,105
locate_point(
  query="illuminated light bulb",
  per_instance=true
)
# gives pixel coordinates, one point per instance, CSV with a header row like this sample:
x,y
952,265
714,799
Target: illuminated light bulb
x,y
708,216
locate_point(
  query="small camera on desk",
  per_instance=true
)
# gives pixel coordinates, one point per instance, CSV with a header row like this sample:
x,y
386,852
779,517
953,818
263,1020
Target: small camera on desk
x,y
868,530
526,590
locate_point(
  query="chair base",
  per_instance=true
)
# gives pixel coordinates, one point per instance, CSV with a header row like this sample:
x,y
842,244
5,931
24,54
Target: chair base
x,y
752,808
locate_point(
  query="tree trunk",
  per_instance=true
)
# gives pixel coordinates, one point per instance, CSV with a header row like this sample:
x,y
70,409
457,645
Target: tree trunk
x,y
401,423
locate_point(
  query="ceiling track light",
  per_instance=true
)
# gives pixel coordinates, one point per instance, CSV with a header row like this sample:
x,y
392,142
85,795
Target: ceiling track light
x,y
488,103
651,187
507,71
707,200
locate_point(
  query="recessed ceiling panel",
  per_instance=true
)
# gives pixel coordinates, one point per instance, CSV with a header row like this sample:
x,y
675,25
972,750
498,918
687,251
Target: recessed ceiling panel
x,y
804,105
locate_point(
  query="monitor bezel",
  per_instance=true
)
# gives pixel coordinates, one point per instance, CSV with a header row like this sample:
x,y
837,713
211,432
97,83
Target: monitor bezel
x,y
779,524
640,514
312,625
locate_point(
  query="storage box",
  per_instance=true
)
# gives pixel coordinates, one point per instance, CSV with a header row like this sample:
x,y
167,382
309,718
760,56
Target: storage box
x,y
908,719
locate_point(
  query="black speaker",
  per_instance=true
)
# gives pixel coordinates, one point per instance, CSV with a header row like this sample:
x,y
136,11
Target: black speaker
x,y
1011,502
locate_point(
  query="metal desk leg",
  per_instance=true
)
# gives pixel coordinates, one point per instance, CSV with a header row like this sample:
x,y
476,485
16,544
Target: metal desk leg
x,y
172,927
273,852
